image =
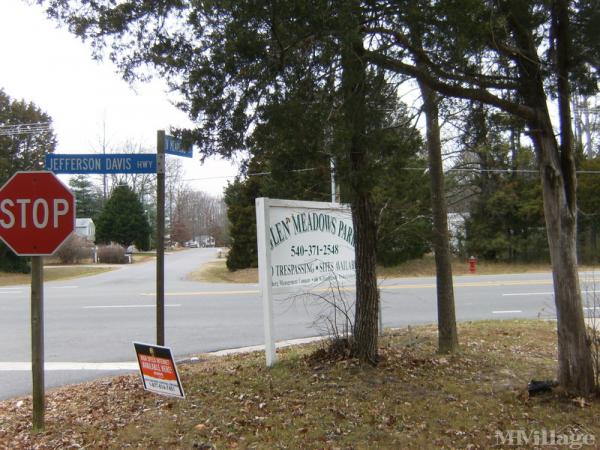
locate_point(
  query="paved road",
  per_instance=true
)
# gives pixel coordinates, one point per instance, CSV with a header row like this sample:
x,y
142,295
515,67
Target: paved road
x,y
92,321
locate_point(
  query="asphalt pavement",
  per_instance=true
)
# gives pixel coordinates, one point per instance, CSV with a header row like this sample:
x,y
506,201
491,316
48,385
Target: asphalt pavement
x,y
92,322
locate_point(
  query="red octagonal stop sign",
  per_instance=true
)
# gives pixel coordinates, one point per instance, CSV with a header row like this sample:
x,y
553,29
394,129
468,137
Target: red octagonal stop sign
x,y
37,213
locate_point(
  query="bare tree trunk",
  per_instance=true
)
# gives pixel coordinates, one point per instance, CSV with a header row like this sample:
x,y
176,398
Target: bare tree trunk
x,y
575,366
559,185
447,333
353,86
575,369
557,168
366,323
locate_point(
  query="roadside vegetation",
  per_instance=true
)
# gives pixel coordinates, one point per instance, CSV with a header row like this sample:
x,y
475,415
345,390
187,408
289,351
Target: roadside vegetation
x,y
416,398
52,273
217,272
54,270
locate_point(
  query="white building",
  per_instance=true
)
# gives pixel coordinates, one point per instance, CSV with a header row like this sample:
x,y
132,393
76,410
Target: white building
x,y
205,240
456,228
85,228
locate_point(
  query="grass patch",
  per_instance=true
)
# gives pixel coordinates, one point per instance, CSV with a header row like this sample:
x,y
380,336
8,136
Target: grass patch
x,y
426,267
138,257
217,272
143,257
415,398
52,273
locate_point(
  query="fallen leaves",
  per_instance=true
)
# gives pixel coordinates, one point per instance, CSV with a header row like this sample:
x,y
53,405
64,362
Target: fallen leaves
x,y
414,398
70,409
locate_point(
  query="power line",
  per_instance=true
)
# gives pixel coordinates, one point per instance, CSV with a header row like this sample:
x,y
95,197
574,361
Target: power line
x,y
24,128
417,169
473,169
593,110
254,174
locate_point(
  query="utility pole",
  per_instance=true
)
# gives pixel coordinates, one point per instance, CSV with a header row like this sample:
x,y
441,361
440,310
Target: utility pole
x,y
335,189
160,237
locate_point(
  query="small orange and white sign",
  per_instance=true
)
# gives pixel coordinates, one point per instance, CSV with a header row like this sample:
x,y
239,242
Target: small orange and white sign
x,y
158,370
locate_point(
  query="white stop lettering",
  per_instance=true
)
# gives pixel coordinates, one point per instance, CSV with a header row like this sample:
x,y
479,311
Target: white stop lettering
x,y
36,213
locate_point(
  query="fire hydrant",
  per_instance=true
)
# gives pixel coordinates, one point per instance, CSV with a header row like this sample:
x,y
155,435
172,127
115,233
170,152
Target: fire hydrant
x,y
472,264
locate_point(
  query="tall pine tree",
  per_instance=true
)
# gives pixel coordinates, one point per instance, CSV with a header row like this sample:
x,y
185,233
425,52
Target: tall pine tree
x,y
21,151
123,220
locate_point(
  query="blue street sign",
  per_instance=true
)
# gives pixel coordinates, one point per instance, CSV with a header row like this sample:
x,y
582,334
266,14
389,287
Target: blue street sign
x,y
105,163
174,146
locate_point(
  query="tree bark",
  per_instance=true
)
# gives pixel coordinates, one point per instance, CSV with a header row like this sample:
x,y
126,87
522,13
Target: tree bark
x,y
556,165
575,363
559,186
575,368
447,333
366,323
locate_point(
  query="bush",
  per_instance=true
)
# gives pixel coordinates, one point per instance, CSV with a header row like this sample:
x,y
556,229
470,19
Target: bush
x,y
112,254
73,250
9,262
401,240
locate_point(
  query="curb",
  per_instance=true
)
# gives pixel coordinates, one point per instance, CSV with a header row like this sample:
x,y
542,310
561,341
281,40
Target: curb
x,y
251,349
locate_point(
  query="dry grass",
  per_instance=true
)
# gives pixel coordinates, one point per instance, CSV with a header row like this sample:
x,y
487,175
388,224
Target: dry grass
x,y
143,257
52,273
415,398
216,272
426,267
137,258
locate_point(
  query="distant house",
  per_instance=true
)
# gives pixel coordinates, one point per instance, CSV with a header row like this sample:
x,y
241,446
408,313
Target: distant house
x,y
456,227
205,240
85,228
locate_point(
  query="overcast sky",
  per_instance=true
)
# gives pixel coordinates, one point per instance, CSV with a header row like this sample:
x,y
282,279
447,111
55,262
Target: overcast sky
x,y
53,69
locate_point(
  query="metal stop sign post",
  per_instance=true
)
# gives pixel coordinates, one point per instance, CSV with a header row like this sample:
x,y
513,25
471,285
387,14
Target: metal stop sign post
x,y
37,214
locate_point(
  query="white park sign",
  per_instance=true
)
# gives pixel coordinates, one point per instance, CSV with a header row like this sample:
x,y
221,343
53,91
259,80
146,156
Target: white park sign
x,y
301,246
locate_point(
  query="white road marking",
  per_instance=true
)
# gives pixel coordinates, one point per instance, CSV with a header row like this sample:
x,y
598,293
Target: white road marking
x,y
591,307
128,306
350,288
524,294
65,287
66,366
201,293
8,291
507,312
